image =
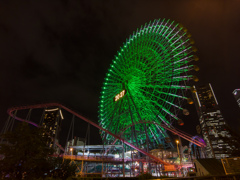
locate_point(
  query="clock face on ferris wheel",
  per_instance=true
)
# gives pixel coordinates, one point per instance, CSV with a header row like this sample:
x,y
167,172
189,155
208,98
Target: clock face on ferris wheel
x,y
147,81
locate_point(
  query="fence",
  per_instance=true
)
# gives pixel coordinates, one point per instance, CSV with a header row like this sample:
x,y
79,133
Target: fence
x,y
231,165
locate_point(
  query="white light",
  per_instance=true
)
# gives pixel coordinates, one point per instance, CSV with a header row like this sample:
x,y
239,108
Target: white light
x,y
213,93
197,97
185,67
51,109
235,91
61,114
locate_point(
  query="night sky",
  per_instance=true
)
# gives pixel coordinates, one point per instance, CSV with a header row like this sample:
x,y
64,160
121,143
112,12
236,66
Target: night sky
x,y
59,51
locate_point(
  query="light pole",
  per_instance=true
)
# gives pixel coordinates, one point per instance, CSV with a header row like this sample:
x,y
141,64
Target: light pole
x,y
177,141
180,158
71,153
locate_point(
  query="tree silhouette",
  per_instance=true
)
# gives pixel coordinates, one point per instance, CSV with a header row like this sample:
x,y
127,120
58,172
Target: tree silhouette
x,y
25,153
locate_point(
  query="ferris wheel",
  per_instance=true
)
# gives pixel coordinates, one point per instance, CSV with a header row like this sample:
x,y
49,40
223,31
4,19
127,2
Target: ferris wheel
x,y
147,81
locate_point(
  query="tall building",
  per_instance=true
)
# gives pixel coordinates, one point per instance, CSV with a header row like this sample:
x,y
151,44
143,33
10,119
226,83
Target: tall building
x,y
52,124
213,126
236,94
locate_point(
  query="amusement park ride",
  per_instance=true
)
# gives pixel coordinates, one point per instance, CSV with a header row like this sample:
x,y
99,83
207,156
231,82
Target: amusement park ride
x,y
143,93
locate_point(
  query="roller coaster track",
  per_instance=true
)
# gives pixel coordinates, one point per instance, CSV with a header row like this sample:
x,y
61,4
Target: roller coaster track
x,y
37,106
171,129
117,137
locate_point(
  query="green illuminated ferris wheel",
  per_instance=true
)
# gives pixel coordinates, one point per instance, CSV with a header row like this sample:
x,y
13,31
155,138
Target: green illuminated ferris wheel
x,y
147,82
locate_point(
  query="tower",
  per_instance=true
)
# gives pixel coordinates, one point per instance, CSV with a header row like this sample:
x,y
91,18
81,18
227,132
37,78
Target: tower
x,y
51,124
213,126
236,94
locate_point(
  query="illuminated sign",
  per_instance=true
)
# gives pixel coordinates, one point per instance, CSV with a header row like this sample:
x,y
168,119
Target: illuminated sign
x,y
120,95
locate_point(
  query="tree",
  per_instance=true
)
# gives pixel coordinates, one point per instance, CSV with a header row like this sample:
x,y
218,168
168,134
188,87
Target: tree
x,y
64,168
25,153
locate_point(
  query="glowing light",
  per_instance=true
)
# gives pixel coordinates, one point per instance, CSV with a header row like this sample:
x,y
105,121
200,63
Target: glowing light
x,y
197,97
120,95
236,91
49,110
213,93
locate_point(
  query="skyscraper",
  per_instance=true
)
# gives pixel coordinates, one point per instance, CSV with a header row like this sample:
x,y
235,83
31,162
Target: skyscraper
x,y
213,126
236,94
51,124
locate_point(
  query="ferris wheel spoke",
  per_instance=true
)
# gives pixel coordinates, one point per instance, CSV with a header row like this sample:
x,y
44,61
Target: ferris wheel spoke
x,y
176,79
149,106
172,65
179,64
168,69
156,139
167,86
140,118
168,50
164,109
161,45
161,130
109,116
131,116
167,81
164,120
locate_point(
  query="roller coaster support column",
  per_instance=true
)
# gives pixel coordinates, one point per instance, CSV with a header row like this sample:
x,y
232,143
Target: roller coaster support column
x,y
123,159
180,149
179,152
102,168
83,157
82,168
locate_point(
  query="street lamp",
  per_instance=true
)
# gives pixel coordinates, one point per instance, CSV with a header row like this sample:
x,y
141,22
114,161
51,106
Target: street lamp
x,y
180,158
177,141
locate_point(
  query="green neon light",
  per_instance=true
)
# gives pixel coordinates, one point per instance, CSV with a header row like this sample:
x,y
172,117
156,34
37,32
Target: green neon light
x,y
153,66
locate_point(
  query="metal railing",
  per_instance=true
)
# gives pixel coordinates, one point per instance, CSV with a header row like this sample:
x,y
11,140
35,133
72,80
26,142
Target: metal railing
x,y
231,165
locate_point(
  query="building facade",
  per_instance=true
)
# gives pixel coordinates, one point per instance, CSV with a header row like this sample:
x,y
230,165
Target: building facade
x,y
213,126
169,155
52,125
236,94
